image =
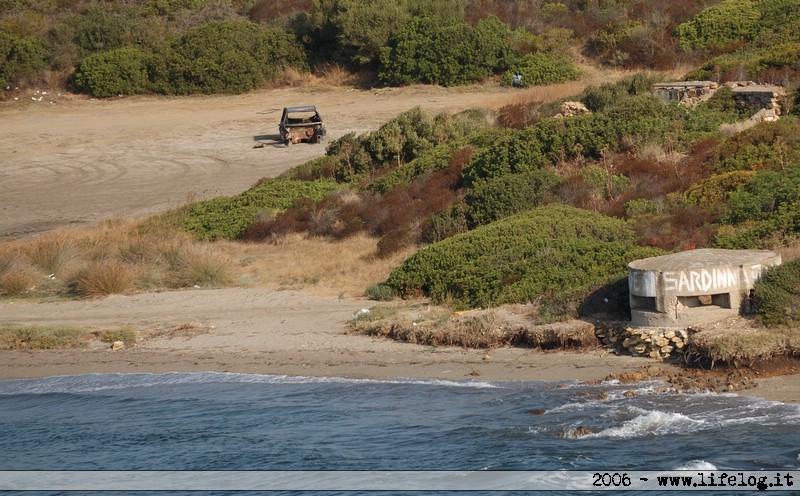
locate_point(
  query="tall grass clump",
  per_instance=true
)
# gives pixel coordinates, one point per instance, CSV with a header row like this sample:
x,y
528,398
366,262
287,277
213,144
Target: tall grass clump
x,y
103,278
52,253
18,278
202,266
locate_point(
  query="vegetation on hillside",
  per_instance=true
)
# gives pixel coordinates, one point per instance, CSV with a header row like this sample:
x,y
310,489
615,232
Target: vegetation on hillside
x,y
229,46
521,205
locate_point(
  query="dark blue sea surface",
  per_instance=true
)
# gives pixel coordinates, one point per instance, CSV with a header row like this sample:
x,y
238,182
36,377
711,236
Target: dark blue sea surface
x,y
216,421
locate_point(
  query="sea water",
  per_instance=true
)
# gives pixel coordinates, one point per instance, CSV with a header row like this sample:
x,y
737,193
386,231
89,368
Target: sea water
x,y
221,421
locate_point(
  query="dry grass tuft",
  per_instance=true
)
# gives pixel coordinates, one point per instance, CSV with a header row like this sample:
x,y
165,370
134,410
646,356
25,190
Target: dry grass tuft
x,y
18,278
789,253
345,268
52,252
737,127
119,256
103,278
293,78
125,334
336,75
202,265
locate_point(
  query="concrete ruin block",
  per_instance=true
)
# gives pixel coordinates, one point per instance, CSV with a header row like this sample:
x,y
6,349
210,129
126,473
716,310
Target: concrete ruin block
x,y
694,287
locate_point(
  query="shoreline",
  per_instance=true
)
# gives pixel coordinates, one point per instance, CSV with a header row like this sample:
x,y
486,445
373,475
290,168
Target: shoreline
x,y
299,333
498,365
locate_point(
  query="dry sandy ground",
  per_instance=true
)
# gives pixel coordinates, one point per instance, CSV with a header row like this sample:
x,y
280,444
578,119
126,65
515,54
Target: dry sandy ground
x,y
76,161
271,332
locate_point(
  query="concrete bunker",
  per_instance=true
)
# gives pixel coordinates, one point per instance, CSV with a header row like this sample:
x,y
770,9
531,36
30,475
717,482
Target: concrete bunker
x,y
693,287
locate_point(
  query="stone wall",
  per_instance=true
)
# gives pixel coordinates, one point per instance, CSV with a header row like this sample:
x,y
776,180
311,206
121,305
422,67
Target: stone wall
x,y
764,100
657,343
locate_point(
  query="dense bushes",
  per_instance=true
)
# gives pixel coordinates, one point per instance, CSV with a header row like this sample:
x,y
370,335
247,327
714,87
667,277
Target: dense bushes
x,y
503,196
777,295
426,51
716,26
771,145
535,69
215,57
229,57
549,253
397,142
445,42
117,72
20,58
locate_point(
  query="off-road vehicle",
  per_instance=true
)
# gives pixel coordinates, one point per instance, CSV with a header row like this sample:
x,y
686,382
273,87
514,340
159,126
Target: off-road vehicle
x,y
301,124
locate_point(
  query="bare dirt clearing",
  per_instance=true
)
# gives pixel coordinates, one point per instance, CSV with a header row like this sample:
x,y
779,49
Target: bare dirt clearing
x,y
79,161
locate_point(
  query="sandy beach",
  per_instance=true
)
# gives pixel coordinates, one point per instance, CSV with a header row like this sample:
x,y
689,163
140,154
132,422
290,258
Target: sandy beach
x,y
261,331
272,332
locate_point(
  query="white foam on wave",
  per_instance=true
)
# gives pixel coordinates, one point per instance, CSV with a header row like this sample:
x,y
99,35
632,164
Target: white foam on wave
x,y
90,383
700,465
651,423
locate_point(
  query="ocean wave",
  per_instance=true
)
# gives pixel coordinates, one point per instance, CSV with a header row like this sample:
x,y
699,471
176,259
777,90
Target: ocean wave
x,y
90,383
651,423
700,465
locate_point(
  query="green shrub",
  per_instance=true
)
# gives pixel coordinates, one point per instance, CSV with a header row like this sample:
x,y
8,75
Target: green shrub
x,y
318,168
777,13
229,57
380,292
777,295
772,145
543,253
227,217
761,197
597,98
118,72
447,223
511,152
712,193
718,25
427,51
19,58
350,32
105,26
640,206
503,196
168,8
541,68
399,141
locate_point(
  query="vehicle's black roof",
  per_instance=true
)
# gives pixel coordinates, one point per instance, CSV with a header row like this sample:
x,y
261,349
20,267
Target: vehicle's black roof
x,y
303,108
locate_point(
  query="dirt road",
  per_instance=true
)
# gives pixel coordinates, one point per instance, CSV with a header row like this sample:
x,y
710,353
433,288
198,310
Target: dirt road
x,y
66,161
